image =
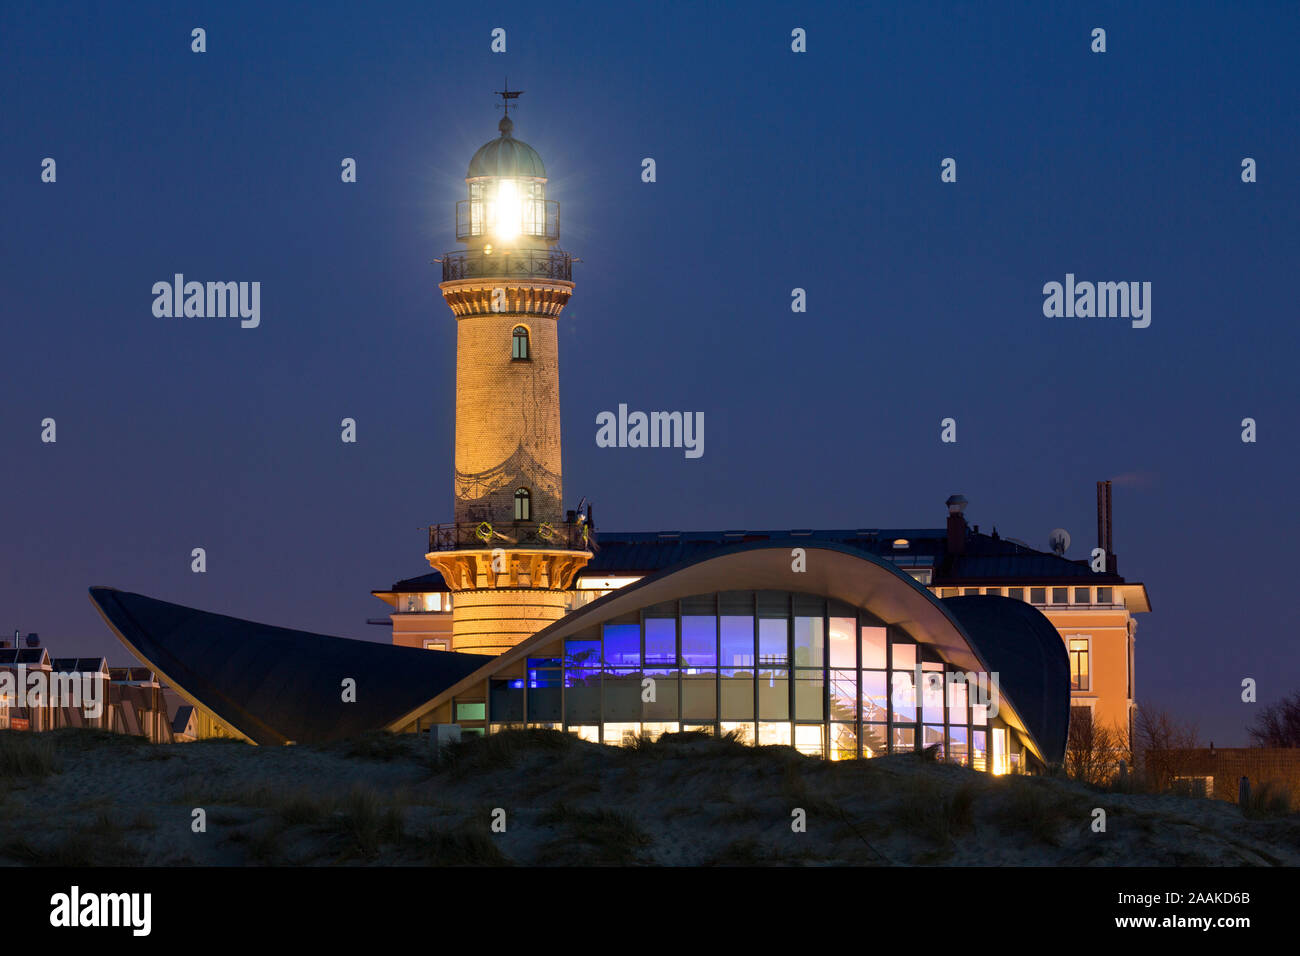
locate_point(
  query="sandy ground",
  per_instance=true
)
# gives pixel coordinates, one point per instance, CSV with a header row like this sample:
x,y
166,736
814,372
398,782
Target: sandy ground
x,y
390,801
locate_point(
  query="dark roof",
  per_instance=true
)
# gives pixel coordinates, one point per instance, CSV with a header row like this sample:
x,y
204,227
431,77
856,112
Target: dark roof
x,y
120,674
182,718
78,665
1025,650
432,581
274,684
22,655
985,557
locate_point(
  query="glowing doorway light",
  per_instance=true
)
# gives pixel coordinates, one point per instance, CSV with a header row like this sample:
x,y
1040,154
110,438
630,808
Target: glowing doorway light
x,y
508,212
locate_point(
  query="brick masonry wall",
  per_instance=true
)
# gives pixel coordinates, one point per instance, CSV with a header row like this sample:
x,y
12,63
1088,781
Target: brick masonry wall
x,y
503,406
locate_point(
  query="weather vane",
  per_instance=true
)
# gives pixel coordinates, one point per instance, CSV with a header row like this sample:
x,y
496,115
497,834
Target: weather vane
x,y
507,95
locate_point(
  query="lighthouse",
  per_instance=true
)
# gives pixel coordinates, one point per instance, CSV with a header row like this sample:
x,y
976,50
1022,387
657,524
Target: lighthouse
x,y
512,551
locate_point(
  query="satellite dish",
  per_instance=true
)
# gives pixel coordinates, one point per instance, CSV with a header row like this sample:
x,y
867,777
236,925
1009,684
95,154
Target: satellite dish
x,y
1059,541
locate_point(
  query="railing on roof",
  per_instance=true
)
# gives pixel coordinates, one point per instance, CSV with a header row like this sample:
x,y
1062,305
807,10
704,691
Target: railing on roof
x,y
517,264
468,535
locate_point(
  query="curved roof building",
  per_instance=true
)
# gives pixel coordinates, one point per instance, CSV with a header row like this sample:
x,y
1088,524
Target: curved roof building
x,y
814,645
808,644
273,685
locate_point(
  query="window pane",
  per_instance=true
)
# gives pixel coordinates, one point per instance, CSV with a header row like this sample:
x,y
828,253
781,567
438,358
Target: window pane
x,y
874,696
875,740
1103,595
660,640
904,656
699,641
581,695
507,698
1078,650
737,694
738,641
769,734
932,697
957,702
957,744
774,693
744,732
1038,595
623,695
809,641
700,696
932,736
873,647
844,742
810,739
844,695
581,653
844,651
622,644
664,691
904,739
1081,596
1017,593
903,695
472,711
809,695
773,638
1060,595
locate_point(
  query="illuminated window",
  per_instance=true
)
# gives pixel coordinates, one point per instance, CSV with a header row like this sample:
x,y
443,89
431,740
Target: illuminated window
x,y
1079,670
519,349
473,710
523,505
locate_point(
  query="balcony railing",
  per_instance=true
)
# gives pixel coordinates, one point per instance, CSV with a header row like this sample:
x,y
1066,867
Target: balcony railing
x,y
522,264
466,535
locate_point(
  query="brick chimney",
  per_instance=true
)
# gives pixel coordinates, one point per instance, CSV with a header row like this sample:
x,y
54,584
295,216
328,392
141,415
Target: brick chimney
x,y
1104,526
956,524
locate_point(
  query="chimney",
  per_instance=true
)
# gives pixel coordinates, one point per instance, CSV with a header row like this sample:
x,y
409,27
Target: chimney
x,y
1104,525
956,524
33,639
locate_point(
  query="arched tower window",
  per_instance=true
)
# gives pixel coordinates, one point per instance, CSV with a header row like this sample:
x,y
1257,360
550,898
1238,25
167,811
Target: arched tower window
x,y
520,347
523,505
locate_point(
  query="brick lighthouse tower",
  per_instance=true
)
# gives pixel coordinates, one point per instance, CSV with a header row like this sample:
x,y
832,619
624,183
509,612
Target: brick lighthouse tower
x,y
512,551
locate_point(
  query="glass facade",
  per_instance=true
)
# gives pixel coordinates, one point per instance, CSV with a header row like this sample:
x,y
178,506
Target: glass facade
x,y
766,667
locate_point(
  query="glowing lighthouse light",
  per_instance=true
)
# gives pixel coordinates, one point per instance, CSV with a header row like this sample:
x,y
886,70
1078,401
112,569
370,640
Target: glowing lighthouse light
x,y
508,210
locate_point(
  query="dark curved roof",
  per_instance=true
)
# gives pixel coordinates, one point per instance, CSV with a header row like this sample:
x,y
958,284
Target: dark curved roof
x,y
1020,644
274,684
984,559
506,156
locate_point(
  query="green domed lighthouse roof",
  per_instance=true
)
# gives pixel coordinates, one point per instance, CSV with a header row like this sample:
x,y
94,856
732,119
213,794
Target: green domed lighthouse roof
x,y
506,156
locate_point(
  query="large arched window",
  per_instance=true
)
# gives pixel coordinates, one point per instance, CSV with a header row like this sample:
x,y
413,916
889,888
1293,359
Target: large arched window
x,y
519,349
523,505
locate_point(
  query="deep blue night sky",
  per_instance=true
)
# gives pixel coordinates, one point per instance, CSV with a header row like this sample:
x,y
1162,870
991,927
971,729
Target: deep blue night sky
x,y
775,170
